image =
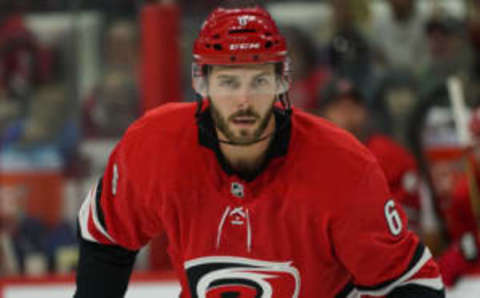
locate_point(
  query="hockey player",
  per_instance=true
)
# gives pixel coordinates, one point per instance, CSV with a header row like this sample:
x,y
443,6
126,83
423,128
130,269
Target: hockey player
x,y
461,220
257,199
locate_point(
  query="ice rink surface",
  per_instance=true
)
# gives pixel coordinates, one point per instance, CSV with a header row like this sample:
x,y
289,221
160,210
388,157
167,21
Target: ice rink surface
x,y
137,290
466,288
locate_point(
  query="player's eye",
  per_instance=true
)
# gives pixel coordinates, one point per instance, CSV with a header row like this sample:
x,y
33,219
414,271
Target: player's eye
x,y
230,83
261,82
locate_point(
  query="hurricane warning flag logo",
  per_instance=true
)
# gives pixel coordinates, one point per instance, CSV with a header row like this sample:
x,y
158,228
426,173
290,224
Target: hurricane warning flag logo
x,y
228,277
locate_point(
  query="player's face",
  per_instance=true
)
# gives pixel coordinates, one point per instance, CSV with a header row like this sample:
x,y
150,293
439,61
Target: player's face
x,y
444,176
241,99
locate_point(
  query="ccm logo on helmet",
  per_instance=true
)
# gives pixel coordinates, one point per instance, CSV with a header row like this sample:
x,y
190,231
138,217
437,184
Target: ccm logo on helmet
x,y
244,46
223,276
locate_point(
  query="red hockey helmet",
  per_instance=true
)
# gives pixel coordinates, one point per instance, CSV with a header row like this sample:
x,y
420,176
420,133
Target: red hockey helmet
x,y
239,36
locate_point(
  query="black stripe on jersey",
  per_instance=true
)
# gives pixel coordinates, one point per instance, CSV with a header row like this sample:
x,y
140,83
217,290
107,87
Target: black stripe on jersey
x,y
345,291
416,257
350,286
98,196
415,291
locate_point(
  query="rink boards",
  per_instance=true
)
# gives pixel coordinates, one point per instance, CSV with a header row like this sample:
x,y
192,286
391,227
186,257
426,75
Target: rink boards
x,y
151,286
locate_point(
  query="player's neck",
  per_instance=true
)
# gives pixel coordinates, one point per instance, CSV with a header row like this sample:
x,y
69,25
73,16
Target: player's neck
x,y
251,157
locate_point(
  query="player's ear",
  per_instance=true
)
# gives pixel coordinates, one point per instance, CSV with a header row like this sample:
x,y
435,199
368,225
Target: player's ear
x,y
200,79
200,85
283,85
283,78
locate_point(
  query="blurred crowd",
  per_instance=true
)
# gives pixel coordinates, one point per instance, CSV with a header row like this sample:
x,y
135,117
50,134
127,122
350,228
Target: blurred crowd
x,y
54,137
378,69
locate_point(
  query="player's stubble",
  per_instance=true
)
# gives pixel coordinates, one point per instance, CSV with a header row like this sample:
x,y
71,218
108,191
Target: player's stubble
x,y
244,137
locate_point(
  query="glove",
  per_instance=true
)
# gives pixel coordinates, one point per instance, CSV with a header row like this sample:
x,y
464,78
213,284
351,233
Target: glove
x,y
458,258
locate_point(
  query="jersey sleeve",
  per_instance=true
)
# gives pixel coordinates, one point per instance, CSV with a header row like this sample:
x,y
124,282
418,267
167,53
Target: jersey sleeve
x,y
371,240
400,170
117,209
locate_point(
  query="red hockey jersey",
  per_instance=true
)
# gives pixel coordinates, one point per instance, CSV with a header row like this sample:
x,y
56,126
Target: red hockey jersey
x,y
461,257
457,211
400,171
317,221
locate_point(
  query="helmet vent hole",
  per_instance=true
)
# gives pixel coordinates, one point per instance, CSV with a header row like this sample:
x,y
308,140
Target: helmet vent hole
x,y
207,45
216,36
268,44
240,31
217,47
268,34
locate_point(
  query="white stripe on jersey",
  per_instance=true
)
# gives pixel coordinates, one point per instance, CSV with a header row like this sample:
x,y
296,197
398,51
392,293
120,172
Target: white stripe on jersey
x,y
96,221
84,213
433,283
89,206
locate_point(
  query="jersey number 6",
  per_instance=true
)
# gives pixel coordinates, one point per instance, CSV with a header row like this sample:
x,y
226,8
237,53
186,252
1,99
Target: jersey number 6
x,y
394,221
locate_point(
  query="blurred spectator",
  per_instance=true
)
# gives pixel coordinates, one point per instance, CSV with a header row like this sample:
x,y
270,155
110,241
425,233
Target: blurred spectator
x,y
392,105
113,106
10,201
31,246
349,52
114,103
307,75
461,211
398,37
473,27
431,128
350,13
46,137
196,8
343,104
115,8
121,46
449,52
23,63
436,145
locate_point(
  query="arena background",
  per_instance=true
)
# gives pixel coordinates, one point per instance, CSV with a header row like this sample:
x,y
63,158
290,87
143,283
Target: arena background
x,y
75,73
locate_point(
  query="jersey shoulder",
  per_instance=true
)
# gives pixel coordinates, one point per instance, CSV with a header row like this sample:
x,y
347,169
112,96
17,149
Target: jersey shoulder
x,y
332,168
167,118
327,156
394,159
162,127
321,142
383,146
161,137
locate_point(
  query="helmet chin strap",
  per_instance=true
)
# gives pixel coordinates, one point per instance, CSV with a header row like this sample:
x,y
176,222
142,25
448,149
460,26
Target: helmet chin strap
x,y
287,110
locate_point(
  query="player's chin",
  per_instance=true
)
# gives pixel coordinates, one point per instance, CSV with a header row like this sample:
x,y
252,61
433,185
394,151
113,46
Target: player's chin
x,y
243,130
244,137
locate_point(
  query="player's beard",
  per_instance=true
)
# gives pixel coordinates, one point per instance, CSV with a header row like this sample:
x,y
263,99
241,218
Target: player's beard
x,y
244,137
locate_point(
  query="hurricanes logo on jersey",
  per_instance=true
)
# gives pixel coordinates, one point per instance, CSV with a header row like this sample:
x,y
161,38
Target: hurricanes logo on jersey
x,y
225,277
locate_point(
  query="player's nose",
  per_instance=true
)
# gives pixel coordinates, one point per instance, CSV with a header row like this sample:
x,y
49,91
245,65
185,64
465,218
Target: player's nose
x,y
243,97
